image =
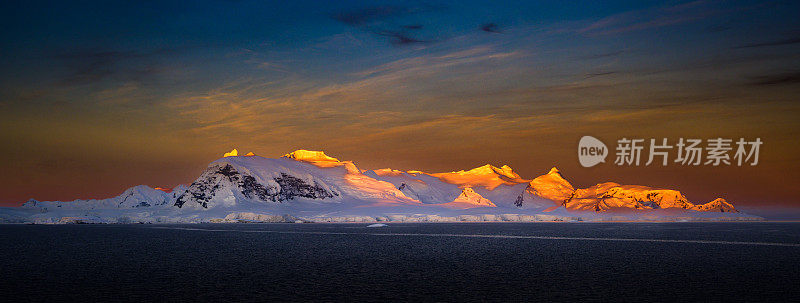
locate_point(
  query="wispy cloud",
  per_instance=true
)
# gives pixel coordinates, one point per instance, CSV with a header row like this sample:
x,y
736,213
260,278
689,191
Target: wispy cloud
x,y
366,16
789,41
89,66
776,79
604,55
401,38
491,28
377,19
654,17
446,96
598,74
382,95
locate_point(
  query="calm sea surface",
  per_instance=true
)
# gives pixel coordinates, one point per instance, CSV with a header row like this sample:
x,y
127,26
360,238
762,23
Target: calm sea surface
x,y
631,262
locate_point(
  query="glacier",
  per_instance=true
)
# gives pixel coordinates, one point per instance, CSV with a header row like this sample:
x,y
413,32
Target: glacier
x,y
309,186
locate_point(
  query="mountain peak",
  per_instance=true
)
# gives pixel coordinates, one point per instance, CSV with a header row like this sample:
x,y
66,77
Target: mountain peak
x,y
469,199
484,176
309,156
485,169
504,171
235,153
232,153
551,186
719,204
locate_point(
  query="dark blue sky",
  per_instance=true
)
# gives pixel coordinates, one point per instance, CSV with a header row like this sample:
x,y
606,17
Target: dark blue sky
x,y
122,40
160,88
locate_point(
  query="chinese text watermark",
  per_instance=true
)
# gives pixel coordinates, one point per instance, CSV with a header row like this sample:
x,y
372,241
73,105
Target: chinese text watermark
x,y
687,152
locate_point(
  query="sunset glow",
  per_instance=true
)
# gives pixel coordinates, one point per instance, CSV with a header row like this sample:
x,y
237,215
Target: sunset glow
x,y
400,151
132,95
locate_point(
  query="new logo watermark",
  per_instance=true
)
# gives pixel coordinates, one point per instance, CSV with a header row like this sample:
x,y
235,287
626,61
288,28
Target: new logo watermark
x,y
689,152
591,151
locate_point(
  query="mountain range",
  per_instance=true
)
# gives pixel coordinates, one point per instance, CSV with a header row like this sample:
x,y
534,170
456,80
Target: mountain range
x,y
310,186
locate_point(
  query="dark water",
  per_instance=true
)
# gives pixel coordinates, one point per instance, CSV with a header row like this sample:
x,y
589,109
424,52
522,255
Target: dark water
x,y
418,262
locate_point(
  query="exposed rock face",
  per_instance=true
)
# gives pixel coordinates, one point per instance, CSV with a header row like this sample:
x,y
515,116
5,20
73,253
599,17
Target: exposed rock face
x,y
226,177
520,201
291,187
203,189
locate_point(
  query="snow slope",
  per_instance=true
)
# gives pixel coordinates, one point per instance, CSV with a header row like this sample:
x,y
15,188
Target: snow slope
x,y
469,199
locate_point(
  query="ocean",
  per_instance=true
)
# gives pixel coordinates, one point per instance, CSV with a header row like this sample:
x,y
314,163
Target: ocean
x,y
627,262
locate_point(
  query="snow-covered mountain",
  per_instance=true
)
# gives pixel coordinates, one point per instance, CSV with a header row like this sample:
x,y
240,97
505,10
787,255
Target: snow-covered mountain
x,y
312,186
141,196
610,195
545,190
719,204
301,177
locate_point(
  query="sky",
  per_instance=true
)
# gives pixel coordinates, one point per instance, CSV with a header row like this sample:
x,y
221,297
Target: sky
x,y
99,96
